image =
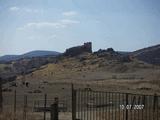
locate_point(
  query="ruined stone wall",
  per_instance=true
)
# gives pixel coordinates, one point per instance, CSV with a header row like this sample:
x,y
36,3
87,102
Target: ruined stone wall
x,y
87,47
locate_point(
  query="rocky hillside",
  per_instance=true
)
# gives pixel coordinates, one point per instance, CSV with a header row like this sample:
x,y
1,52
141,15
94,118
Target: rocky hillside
x,y
150,54
10,70
106,60
91,66
116,71
107,67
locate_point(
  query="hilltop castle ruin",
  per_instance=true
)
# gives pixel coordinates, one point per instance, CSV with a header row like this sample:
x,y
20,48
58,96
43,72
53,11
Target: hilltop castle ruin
x,y
86,47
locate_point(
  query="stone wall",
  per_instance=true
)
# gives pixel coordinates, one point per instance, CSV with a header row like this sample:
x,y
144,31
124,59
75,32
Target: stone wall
x,y
87,47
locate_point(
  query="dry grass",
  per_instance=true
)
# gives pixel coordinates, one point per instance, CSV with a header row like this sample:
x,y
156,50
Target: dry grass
x,y
12,116
96,73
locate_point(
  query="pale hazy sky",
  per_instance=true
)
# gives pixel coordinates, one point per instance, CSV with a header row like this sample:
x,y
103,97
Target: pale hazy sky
x,y
127,25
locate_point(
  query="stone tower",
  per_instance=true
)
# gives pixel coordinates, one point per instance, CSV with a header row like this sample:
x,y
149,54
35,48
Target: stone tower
x,y
88,47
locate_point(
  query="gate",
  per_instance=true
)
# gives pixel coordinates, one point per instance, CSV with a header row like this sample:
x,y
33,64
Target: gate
x,y
98,105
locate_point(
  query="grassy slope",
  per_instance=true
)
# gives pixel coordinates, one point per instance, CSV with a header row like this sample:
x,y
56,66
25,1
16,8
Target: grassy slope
x,y
134,76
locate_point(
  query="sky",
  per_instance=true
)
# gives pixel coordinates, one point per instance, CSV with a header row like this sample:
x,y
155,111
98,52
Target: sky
x,y
125,25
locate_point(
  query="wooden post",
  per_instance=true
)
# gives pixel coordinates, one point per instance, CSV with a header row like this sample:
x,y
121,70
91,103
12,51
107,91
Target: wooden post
x,y
73,103
1,97
54,110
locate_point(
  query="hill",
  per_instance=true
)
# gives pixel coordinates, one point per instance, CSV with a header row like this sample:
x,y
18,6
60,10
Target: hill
x,y
114,70
110,70
9,57
36,53
39,53
150,55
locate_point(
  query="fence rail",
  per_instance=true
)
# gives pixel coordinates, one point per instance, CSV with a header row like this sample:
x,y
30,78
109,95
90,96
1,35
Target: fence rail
x,y
98,105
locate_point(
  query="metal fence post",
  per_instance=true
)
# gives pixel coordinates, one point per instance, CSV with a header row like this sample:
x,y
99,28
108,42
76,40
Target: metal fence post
x,y
155,99
45,103
15,103
1,96
54,110
157,107
126,105
73,103
25,108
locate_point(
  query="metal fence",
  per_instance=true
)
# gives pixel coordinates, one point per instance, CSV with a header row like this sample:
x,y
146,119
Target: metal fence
x,y
98,105
31,107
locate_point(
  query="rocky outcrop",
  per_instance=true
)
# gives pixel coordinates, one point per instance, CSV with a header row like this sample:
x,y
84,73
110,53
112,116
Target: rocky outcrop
x,y
110,54
74,51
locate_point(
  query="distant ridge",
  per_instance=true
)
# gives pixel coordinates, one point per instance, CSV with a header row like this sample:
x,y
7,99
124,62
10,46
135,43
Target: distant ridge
x,y
149,54
146,49
39,53
123,52
36,53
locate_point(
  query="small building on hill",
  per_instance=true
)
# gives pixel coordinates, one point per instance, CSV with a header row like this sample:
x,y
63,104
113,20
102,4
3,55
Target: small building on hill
x,y
74,51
